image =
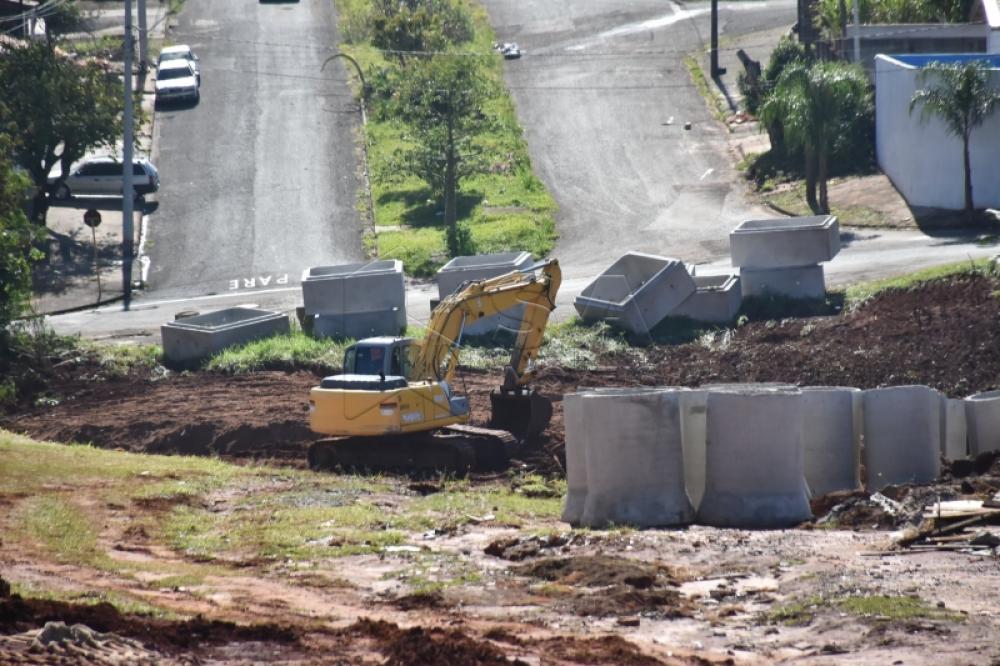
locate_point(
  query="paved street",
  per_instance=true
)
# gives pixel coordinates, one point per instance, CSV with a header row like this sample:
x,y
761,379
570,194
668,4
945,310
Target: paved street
x,y
603,95
259,179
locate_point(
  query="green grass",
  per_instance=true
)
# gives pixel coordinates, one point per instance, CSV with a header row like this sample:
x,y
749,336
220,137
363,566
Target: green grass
x,y
705,89
506,209
294,350
895,608
123,602
61,528
793,200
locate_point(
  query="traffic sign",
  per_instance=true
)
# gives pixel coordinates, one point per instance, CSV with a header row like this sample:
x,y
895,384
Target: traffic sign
x,y
92,218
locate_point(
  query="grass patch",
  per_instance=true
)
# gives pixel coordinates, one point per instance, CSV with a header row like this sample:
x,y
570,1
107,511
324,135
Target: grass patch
x,y
793,200
796,614
124,603
885,607
60,528
704,88
281,352
506,209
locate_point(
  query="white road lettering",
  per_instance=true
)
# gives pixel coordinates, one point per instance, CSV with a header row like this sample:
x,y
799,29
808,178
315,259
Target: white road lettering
x,y
257,281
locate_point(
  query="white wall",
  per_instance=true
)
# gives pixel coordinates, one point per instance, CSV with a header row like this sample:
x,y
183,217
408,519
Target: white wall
x,y
923,161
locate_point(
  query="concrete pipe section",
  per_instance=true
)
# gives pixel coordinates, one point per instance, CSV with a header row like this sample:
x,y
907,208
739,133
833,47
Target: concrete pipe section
x,y
831,438
954,433
982,414
902,434
754,468
631,439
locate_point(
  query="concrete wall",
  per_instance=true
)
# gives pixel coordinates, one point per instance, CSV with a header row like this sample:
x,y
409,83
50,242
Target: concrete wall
x,y
923,161
913,38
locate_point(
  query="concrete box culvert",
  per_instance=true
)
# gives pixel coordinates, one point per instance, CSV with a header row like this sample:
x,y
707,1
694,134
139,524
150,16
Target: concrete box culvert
x,y
634,458
359,325
785,242
693,405
754,460
374,286
460,270
717,300
982,417
198,337
636,292
576,457
831,438
902,434
954,433
797,282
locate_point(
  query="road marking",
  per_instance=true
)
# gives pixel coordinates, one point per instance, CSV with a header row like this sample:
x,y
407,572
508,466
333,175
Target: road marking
x,y
152,305
252,281
705,175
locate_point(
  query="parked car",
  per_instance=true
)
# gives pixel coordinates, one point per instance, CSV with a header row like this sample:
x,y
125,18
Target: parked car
x,y
103,175
180,52
176,80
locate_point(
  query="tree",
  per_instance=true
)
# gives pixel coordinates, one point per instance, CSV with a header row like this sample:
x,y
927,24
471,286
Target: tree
x,y
816,104
409,26
961,96
440,99
55,111
16,242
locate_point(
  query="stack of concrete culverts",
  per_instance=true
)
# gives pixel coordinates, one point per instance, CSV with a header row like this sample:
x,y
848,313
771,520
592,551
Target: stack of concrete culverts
x,y
355,300
902,435
629,442
783,256
982,412
831,438
754,461
636,292
460,270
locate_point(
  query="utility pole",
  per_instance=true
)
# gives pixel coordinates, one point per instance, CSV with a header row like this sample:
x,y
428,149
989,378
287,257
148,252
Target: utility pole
x,y
143,37
128,191
715,71
857,35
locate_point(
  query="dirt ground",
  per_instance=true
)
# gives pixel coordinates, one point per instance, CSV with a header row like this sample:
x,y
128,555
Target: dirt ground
x,y
545,594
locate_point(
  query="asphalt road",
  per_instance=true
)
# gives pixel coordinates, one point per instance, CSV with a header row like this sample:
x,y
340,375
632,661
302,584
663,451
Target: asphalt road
x,y
258,180
603,95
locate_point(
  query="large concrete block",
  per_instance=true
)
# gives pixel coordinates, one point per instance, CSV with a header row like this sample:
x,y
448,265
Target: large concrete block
x,y
576,458
633,458
754,459
784,242
798,282
902,435
195,338
375,286
359,325
717,300
460,270
636,292
982,415
831,438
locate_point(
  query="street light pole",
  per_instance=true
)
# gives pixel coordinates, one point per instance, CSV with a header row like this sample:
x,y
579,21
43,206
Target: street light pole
x,y
143,36
128,190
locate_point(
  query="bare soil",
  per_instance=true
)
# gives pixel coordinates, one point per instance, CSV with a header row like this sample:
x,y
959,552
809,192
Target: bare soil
x,y
693,596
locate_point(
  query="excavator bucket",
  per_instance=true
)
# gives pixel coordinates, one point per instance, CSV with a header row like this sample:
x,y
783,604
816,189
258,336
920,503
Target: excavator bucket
x,y
523,413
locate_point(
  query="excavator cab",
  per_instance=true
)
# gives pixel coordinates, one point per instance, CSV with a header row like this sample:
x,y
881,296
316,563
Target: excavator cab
x,y
391,357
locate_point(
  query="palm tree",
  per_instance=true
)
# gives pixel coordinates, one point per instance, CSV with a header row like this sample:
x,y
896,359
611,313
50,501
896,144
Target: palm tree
x,y
814,103
961,97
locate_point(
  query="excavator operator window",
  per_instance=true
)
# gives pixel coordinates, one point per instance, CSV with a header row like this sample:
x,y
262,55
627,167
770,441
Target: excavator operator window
x,y
368,360
396,366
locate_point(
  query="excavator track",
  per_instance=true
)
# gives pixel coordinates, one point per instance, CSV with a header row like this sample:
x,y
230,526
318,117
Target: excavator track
x,y
454,450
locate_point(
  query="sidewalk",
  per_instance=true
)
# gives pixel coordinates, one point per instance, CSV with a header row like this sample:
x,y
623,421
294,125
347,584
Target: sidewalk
x,y
68,280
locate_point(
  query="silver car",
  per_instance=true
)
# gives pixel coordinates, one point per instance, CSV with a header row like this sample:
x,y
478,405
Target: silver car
x,y
180,52
103,176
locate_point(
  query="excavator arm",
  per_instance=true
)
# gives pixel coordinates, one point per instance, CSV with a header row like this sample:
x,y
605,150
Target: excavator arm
x,y
437,355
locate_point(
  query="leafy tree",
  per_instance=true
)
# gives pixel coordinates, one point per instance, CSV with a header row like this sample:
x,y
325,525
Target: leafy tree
x,y
419,25
440,99
16,242
816,104
831,13
55,111
960,95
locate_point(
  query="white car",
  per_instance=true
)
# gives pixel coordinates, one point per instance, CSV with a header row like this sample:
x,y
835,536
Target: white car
x,y
103,176
180,52
176,80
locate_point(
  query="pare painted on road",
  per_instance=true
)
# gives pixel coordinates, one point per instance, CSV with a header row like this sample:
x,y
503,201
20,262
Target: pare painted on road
x,y
258,282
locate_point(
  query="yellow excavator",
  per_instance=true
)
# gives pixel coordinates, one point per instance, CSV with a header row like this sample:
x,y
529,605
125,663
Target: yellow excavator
x,y
395,407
